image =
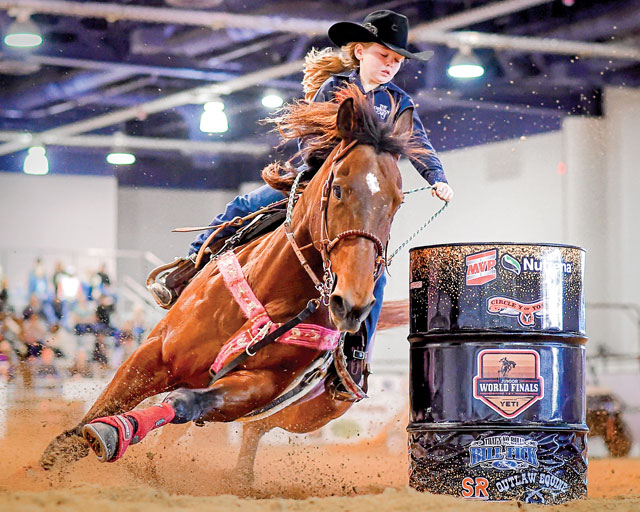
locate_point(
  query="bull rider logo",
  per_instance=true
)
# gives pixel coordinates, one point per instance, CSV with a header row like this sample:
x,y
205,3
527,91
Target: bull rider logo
x,y
508,381
525,311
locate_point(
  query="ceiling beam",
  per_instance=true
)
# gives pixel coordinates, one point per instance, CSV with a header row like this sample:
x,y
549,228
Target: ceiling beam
x,y
143,110
532,45
220,20
150,143
215,20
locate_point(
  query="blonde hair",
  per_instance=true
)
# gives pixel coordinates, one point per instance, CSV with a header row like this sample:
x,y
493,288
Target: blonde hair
x,y
321,64
316,125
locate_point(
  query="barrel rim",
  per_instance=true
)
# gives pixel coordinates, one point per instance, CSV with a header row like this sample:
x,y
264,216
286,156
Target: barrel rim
x,y
490,427
563,337
533,244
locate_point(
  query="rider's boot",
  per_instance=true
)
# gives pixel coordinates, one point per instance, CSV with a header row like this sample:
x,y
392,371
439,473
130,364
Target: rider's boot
x,y
110,436
168,286
352,369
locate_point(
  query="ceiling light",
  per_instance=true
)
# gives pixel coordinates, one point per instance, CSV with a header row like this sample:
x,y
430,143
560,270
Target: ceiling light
x,y
272,100
119,154
213,119
121,158
465,64
36,161
23,33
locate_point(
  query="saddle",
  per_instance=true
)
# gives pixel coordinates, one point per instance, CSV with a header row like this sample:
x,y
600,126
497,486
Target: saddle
x,y
185,268
260,225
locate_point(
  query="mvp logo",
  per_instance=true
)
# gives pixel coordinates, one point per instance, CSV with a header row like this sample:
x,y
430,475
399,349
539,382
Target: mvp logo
x,y
481,267
508,381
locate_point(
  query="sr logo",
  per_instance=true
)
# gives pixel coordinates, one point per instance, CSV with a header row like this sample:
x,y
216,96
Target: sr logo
x,y
475,488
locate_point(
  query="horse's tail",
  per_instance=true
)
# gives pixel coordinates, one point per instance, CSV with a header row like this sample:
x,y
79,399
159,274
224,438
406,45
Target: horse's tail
x,y
394,313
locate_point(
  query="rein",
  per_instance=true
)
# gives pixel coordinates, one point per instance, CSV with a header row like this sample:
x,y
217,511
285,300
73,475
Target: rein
x,y
325,245
419,230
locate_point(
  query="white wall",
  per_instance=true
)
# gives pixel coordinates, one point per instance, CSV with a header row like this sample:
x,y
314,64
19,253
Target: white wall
x,y
146,217
57,212
56,217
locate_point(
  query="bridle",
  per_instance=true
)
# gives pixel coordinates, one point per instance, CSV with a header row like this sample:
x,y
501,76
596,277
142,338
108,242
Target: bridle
x,y
326,245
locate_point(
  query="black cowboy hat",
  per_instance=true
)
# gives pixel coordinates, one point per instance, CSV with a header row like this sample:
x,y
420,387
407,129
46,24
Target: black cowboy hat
x,y
387,28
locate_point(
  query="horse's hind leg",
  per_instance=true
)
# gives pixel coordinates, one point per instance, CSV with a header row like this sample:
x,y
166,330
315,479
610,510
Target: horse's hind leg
x,y
141,376
229,399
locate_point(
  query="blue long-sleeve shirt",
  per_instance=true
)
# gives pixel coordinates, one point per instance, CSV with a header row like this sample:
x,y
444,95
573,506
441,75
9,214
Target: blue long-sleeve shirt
x,y
429,166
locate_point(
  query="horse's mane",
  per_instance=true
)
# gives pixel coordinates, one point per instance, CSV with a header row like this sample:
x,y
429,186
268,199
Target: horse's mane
x,y
315,124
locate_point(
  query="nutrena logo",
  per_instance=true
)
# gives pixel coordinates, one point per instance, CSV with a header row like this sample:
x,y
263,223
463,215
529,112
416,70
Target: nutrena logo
x,y
481,267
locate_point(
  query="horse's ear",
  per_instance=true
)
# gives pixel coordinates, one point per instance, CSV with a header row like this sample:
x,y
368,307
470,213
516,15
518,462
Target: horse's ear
x,y
345,121
403,126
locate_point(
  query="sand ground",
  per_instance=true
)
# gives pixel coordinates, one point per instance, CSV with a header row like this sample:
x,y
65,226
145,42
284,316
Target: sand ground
x,y
185,468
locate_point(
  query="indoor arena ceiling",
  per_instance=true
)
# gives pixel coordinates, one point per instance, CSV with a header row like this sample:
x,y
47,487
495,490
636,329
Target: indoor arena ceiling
x,y
134,71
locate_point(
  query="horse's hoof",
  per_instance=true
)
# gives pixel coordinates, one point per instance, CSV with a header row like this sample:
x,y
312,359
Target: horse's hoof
x,y
103,440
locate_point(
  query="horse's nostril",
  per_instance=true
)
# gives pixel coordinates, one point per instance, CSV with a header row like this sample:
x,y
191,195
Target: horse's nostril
x,y
338,305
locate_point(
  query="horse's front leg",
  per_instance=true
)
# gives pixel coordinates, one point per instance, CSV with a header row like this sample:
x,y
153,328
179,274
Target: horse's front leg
x,y
228,399
141,376
251,434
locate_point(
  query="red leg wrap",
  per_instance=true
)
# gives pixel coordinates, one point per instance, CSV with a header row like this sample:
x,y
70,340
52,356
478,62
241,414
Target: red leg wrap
x,y
148,419
151,418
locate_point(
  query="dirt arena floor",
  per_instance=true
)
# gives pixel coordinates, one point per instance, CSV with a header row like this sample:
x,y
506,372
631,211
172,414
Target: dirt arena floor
x,y
186,468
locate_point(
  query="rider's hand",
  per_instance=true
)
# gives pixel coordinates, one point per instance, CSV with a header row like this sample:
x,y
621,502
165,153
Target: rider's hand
x,y
443,191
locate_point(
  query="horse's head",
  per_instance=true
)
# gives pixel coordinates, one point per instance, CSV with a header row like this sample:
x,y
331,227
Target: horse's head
x,y
362,194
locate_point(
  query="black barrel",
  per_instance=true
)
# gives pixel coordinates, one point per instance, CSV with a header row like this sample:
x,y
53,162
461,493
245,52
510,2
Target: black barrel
x,y
497,372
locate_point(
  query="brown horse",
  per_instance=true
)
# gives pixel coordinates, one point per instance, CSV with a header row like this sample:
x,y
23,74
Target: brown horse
x,y
357,149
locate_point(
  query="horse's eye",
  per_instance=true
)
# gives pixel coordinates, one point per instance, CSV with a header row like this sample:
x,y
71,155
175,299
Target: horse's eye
x,y
337,191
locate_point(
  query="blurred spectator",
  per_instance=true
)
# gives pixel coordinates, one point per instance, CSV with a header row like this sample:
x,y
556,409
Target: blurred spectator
x,y
44,310
83,315
38,284
99,282
104,277
80,365
4,293
34,332
100,351
106,307
6,360
46,367
58,274
69,284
